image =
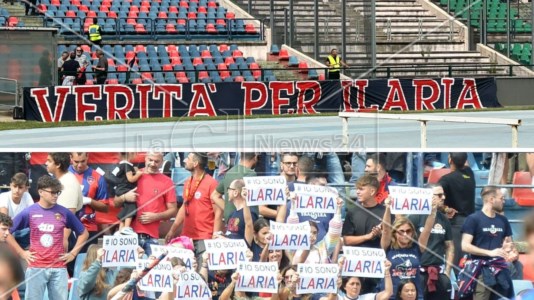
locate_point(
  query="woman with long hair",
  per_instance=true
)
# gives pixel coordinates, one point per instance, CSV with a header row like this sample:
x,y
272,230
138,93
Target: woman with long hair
x,y
95,281
403,248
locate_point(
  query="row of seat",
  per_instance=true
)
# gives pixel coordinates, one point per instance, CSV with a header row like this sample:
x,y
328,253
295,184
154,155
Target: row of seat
x,y
521,52
497,13
134,11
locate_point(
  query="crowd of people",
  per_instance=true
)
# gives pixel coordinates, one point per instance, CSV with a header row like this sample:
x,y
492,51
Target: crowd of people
x,y
77,204
72,67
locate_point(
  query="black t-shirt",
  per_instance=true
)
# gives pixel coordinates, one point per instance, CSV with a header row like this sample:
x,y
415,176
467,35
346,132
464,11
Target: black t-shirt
x,y
459,187
488,233
70,67
441,232
123,185
360,221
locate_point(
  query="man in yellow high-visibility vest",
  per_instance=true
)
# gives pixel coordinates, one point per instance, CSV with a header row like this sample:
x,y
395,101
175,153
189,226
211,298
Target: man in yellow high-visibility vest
x,y
95,33
335,62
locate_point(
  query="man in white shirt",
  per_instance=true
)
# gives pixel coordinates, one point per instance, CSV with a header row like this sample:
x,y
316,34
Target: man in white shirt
x,y
15,201
18,198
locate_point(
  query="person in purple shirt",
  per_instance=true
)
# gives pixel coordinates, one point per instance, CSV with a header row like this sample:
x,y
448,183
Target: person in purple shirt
x,y
47,257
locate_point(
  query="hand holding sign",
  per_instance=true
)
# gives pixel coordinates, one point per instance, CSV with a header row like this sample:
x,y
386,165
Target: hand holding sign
x,y
265,190
411,200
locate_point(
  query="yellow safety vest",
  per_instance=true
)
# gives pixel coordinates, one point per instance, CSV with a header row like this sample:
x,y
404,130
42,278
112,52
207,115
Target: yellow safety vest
x,y
334,63
94,34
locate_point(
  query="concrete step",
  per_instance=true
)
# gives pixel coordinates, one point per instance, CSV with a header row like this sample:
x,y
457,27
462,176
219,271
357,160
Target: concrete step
x,y
407,14
419,59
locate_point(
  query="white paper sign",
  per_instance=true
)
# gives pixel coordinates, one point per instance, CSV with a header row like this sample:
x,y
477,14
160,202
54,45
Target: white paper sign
x,y
257,277
225,254
266,190
315,199
158,279
290,236
186,255
363,262
410,200
192,286
119,251
317,278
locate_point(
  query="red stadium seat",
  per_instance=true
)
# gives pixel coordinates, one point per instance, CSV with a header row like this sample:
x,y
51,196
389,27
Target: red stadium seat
x,y
133,14
75,2
184,4
134,8
523,197
203,75
183,80
139,48
55,2
171,48
180,74
112,81
256,71
70,14
223,47
176,61
436,174
321,77
89,82
283,54
182,22
83,8
237,53
174,53
303,67
212,4
173,9
137,81
112,15
239,79
131,21
86,48
250,29
197,61
229,60
146,76
230,15
220,22
205,54
162,15
129,55
528,266
111,62
12,21
192,15
106,2
145,4
224,74
202,9
221,67
170,28
41,8
91,14
167,67
210,28
144,9
122,68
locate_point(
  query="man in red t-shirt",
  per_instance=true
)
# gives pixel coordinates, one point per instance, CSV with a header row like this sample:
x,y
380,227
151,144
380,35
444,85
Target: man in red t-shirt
x,y
155,197
376,165
200,216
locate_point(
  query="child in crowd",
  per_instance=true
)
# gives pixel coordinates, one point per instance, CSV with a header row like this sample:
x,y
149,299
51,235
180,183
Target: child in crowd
x,y
127,176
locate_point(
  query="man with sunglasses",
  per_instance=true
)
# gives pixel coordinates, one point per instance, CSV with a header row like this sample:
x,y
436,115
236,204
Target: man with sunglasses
x,y
47,257
434,274
199,215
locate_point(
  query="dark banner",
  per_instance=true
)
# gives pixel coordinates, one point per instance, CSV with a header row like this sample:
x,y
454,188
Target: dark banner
x,y
117,102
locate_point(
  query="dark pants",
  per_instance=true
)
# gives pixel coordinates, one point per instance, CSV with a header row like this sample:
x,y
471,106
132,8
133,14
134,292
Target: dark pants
x,y
456,223
30,5
443,288
333,75
101,80
200,248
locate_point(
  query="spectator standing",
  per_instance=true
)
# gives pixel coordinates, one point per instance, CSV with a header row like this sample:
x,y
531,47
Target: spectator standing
x,y
95,33
155,197
200,217
459,187
101,68
47,256
334,62
94,193
70,69
487,236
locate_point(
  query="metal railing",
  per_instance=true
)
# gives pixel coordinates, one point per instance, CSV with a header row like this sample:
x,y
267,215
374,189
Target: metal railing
x,y
11,92
156,28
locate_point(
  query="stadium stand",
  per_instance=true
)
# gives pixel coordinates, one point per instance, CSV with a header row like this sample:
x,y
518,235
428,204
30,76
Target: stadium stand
x,y
521,52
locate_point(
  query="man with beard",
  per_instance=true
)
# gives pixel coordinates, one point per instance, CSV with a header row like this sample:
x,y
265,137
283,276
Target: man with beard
x,y
486,236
